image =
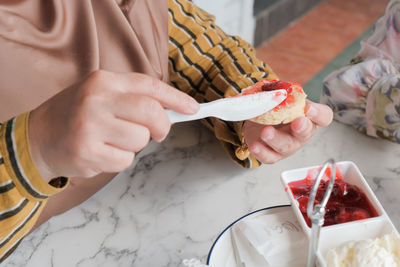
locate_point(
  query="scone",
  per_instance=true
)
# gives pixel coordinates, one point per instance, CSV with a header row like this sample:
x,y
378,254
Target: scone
x,y
291,108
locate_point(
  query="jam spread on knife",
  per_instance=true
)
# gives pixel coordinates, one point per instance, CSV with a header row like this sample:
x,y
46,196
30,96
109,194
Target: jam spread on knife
x,y
347,202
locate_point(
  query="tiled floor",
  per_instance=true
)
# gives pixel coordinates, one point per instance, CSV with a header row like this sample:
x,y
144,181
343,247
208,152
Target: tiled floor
x,y
313,87
303,49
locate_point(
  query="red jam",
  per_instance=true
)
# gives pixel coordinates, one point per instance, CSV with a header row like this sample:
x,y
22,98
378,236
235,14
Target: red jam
x,y
275,85
271,85
347,202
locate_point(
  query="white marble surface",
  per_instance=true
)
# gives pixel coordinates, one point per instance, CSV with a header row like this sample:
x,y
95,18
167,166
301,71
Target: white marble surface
x,y
178,196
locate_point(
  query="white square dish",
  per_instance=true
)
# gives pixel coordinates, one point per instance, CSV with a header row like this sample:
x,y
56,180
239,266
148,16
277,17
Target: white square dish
x,y
335,235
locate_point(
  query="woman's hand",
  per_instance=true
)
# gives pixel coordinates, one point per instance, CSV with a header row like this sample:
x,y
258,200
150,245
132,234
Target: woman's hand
x,y
100,123
270,144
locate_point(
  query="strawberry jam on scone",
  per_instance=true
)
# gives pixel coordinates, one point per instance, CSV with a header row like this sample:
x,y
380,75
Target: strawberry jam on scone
x,y
291,108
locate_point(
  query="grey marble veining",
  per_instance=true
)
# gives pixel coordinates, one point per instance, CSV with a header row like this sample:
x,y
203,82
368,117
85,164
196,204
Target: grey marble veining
x,y
179,195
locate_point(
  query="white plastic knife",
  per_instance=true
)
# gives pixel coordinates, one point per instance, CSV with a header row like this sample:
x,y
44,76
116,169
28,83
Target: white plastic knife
x,y
234,108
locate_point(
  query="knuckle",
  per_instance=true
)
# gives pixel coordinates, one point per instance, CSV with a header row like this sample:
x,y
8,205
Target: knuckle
x,y
100,75
156,86
153,106
91,101
100,81
155,116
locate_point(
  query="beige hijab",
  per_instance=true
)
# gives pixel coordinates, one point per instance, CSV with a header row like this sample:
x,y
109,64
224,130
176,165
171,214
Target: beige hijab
x,y
47,45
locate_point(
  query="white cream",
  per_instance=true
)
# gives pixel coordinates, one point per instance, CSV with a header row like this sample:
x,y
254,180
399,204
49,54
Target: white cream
x,y
379,252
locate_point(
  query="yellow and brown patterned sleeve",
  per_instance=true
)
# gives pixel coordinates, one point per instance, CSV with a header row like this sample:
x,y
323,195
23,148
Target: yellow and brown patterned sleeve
x,y
209,64
23,192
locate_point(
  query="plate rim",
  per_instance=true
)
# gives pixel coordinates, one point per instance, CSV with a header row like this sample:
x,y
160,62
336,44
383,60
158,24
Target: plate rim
x,y
237,220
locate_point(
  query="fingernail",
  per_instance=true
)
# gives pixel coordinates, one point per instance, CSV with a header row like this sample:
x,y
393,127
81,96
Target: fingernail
x,y
311,112
268,134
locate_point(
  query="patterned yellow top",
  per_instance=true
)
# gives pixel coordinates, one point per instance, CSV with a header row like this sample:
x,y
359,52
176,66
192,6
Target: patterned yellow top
x,y
209,64
203,62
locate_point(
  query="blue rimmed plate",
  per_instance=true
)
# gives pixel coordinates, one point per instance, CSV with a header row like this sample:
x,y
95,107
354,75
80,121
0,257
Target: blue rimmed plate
x,y
222,252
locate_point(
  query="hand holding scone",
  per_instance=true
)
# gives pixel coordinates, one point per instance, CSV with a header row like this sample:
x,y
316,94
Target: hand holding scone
x,y
291,108
270,144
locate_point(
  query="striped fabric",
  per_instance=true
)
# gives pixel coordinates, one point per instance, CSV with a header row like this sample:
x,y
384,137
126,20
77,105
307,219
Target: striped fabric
x,y
209,64
203,62
23,192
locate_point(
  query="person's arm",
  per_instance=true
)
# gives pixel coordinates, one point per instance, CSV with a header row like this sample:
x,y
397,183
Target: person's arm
x,y
23,192
209,64
79,132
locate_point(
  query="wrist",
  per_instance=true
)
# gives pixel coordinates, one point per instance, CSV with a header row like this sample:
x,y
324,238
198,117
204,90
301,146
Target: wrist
x,y
35,148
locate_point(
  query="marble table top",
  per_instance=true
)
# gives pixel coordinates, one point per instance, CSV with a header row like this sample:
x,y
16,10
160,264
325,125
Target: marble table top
x,y
179,195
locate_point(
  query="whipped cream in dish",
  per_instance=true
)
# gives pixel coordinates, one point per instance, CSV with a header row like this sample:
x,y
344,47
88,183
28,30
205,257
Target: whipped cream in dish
x,y
379,252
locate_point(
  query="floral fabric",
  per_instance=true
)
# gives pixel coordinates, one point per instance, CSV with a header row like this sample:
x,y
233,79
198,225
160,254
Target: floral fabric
x,y
366,93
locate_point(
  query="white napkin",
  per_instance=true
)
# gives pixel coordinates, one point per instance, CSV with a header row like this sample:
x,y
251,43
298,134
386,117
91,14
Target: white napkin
x,y
275,238
245,255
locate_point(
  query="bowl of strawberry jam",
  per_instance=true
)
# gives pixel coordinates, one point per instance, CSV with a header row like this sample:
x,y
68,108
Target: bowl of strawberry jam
x,y
351,199
346,203
352,212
